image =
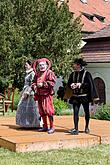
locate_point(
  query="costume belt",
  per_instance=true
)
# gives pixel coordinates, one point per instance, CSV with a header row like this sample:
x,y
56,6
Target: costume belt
x,y
80,95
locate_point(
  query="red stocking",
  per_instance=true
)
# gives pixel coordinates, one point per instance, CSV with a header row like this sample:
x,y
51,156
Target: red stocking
x,y
44,118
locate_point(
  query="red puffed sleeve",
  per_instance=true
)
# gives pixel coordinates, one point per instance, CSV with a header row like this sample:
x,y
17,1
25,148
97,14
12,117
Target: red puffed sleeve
x,y
50,80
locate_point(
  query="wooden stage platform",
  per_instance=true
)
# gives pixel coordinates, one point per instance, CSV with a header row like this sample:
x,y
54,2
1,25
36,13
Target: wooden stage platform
x,y
17,139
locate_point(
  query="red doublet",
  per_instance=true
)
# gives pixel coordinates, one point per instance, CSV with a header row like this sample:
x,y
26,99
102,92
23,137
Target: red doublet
x,y
44,94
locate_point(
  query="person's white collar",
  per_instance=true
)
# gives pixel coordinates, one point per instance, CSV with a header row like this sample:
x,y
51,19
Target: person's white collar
x,y
82,68
30,70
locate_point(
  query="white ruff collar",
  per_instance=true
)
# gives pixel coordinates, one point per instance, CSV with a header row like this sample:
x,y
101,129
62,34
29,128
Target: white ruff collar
x,y
30,70
82,68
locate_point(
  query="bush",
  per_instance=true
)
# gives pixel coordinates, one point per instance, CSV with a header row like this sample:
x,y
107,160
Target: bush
x,y
103,112
16,99
59,106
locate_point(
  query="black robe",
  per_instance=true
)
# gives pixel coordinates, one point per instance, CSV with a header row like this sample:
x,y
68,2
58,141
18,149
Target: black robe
x,y
87,85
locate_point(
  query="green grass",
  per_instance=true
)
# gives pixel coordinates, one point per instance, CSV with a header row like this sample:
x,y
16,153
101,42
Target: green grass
x,y
98,155
9,113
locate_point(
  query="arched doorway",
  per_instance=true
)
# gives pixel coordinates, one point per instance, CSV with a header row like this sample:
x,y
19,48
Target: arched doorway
x,y
100,85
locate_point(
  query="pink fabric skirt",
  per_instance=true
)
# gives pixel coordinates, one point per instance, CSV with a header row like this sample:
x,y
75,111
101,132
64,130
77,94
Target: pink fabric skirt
x,y
45,105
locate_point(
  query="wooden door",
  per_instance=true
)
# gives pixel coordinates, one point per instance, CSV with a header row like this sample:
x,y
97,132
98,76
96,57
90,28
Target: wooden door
x,y
100,85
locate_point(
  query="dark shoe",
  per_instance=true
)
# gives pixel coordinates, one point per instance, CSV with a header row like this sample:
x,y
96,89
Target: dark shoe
x,y
74,131
70,130
51,130
87,130
43,130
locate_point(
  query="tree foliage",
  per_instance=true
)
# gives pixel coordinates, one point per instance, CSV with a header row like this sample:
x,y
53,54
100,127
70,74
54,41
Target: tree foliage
x,y
35,29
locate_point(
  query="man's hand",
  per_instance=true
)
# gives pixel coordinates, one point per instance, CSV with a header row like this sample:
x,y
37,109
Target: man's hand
x,y
75,85
39,85
78,85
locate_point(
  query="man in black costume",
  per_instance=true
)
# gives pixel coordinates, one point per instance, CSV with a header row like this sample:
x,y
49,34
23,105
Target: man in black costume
x,y
84,91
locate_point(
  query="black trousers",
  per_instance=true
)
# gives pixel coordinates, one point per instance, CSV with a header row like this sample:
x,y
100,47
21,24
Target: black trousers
x,y
77,101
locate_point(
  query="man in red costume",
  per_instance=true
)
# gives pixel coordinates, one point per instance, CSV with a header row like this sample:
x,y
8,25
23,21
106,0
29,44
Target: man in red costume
x,y
43,84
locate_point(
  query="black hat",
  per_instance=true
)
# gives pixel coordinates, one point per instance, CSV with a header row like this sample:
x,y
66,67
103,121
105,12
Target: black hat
x,y
29,62
80,62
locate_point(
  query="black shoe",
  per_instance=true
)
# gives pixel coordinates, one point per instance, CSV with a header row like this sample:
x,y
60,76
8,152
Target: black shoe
x,y
43,130
74,131
69,131
87,130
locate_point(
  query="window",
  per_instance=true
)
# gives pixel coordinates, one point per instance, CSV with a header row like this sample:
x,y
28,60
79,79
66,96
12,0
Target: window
x,y
84,1
99,17
89,16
